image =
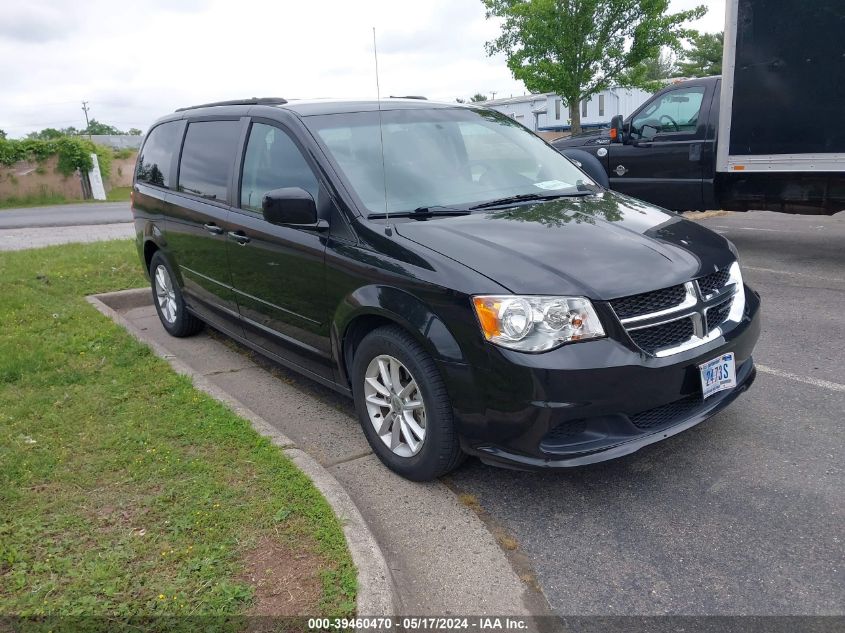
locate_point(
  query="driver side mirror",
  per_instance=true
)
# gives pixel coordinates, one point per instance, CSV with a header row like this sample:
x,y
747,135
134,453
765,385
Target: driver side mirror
x,y
617,129
291,206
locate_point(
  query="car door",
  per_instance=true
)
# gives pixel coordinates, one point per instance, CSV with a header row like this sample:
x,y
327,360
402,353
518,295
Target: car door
x,y
198,218
661,161
278,272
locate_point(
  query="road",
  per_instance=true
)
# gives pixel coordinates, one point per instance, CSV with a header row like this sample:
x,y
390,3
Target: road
x,y
743,514
66,215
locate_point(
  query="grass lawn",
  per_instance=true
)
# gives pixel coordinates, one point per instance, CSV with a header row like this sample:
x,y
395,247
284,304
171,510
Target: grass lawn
x,y
126,492
35,201
117,194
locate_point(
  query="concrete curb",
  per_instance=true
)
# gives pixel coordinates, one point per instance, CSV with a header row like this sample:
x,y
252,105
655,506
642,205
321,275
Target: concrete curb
x,y
375,591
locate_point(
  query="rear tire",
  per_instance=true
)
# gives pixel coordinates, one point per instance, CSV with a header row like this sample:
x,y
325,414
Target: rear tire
x,y
403,406
168,300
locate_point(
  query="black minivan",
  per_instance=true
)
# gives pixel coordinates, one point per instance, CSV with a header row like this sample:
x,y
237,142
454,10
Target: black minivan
x,y
472,289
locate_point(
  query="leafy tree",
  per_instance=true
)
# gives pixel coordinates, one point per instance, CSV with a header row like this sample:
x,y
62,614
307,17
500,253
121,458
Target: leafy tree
x,y
576,48
704,58
459,100
133,131
651,74
95,127
2,133
477,97
46,134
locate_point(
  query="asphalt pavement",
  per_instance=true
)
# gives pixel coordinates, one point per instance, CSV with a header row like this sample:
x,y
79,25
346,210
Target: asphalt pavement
x,y
88,213
743,514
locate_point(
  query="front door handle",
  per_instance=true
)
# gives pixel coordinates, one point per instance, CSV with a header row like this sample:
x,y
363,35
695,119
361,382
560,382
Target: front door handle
x,y
239,237
211,227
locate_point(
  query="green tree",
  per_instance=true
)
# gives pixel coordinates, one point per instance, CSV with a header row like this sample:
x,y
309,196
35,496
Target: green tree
x,y
459,100
576,48
477,97
704,57
651,74
95,127
133,131
2,133
47,134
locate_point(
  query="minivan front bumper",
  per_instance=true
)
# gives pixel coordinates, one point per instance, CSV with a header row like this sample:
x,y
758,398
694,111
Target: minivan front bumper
x,y
589,402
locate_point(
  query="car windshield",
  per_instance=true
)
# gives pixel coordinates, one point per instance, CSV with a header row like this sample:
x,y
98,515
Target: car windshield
x,y
441,157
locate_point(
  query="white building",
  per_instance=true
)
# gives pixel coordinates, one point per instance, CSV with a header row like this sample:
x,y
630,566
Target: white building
x,y
548,113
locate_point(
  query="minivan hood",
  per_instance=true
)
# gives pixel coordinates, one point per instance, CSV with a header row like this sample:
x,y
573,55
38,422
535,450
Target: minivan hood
x,y
601,246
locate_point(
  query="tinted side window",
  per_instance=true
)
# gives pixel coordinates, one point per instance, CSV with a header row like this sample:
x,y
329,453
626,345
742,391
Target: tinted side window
x,y
273,161
156,157
207,158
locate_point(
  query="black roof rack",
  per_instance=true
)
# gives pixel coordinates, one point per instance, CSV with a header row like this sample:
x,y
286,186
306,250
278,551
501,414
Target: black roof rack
x,y
420,97
252,101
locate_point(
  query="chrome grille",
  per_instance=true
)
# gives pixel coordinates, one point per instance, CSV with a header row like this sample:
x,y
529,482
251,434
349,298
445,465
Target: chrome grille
x,y
717,314
648,302
714,282
665,321
652,339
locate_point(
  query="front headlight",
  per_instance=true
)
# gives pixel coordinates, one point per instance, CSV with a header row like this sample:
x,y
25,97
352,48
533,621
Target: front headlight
x,y
536,324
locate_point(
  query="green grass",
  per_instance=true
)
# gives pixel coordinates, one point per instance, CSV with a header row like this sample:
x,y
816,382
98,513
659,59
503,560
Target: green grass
x,y
123,490
40,200
117,194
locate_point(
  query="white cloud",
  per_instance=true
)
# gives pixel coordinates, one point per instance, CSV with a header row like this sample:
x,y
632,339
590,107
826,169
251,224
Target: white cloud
x,y
136,61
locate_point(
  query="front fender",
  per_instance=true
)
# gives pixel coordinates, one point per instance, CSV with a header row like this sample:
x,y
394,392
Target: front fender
x,y
404,309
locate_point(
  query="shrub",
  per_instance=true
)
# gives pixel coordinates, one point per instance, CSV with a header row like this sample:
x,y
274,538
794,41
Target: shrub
x,y
73,152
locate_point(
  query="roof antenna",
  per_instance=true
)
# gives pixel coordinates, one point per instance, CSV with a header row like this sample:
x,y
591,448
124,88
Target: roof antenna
x,y
387,228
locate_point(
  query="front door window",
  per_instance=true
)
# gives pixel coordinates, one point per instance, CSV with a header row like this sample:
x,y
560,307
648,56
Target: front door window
x,y
675,111
273,161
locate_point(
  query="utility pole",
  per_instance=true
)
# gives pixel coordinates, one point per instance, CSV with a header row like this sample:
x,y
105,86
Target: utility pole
x,y
85,109
493,93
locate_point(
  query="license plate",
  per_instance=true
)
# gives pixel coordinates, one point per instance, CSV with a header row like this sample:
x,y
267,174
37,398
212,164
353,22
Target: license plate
x,y
717,375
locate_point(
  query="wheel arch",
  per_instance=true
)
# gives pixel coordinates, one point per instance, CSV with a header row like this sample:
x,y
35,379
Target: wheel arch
x,y
371,307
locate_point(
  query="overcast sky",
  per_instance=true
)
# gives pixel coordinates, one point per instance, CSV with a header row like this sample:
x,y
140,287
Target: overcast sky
x,y
134,61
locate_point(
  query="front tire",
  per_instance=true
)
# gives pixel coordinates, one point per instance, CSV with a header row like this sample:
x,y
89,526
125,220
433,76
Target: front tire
x,y
403,406
168,300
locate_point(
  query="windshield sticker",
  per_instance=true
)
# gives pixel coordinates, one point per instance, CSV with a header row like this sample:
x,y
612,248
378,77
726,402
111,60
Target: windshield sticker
x,y
552,184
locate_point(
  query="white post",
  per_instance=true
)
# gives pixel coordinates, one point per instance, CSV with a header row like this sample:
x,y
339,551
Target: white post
x,y
98,191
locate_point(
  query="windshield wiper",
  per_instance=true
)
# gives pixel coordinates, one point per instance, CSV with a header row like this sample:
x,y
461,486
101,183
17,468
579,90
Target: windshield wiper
x,y
524,197
421,213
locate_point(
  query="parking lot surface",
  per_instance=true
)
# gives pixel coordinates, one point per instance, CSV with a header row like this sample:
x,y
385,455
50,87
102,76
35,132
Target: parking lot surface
x,y
740,515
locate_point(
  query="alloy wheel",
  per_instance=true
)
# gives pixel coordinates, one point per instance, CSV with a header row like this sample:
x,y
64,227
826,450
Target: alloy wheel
x,y
165,293
395,405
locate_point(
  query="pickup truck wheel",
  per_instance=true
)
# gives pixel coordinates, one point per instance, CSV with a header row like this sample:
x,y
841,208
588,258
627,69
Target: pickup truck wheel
x,y
168,300
403,406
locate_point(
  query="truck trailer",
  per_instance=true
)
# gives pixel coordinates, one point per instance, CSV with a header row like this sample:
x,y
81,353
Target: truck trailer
x,y
767,134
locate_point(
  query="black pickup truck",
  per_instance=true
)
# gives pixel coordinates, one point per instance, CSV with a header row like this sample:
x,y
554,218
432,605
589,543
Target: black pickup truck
x,y
779,143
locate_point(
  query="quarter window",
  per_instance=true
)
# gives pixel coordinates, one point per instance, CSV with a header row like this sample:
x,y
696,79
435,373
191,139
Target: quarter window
x,y
273,161
207,156
156,158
